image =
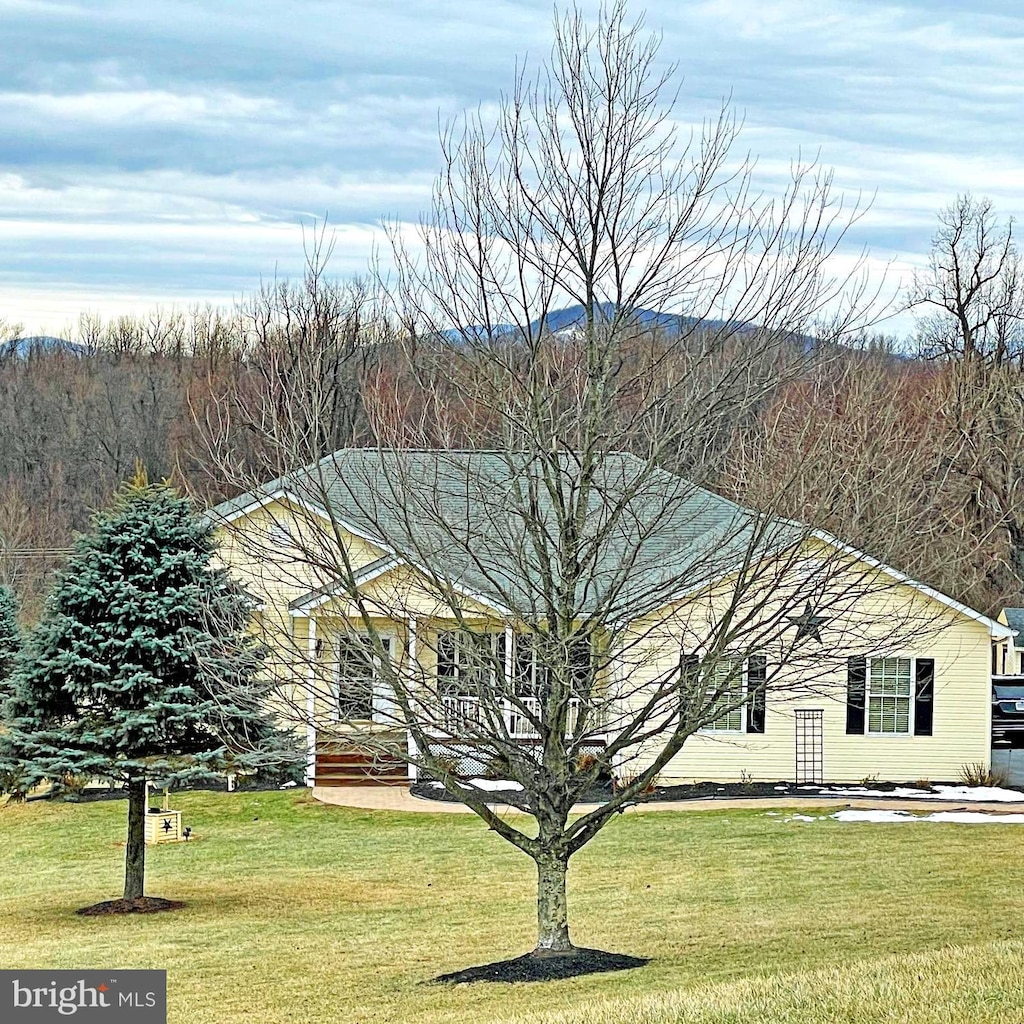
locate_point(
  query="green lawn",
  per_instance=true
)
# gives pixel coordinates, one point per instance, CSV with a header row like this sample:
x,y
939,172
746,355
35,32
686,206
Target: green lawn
x,y
322,914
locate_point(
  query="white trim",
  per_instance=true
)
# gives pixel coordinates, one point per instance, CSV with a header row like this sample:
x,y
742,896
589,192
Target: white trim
x,y
911,697
311,706
361,578
282,493
509,660
301,610
996,629
411,656
708,729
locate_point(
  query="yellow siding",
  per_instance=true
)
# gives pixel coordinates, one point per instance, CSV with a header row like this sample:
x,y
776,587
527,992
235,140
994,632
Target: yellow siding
x,y
868,625
403,593
276,572
255,549
960,646
1008,658
960,729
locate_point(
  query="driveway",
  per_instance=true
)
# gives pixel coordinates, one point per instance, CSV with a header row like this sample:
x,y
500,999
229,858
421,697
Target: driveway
x,y
397,798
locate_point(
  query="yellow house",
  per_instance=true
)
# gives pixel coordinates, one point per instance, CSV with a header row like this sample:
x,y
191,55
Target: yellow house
x,y
383,575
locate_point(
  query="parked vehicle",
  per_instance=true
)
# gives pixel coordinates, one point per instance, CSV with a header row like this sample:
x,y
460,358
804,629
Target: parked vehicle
x,y
1008,709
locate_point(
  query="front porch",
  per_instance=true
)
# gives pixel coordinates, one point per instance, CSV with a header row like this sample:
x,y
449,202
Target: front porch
x,y
358,761
355,733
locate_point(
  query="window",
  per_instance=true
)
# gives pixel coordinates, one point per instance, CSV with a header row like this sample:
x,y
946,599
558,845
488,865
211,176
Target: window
x,y
889,695
468,662
725,687
359,676
733,678
530,674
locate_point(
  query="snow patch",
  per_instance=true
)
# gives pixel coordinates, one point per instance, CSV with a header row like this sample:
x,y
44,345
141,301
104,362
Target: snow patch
x,y
880,817
487,785
992,794
957,817
288,785
493,785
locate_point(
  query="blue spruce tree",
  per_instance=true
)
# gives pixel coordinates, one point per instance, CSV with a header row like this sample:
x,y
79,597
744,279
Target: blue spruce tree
x,y
141,667
10,637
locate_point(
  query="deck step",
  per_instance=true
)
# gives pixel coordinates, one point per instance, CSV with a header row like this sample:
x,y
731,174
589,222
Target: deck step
x,y
361,780
350,766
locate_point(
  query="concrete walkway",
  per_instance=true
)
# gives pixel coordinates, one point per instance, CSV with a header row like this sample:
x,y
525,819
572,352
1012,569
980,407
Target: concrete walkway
x,y
398,798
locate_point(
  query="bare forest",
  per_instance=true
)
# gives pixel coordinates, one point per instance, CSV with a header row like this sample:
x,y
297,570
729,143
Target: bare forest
x,y
911,448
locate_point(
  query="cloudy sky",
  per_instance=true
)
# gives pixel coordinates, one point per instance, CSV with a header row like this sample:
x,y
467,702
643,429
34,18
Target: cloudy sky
x,y
170,153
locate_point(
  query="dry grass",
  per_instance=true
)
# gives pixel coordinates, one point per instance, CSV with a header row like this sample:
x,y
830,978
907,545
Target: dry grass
x,y
316,914
949,986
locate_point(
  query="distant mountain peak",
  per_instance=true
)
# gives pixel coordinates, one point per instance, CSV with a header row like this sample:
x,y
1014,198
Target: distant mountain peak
x,y
567,321
41,344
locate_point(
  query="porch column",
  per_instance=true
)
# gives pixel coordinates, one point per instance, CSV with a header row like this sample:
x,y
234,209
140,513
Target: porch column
x,y
311,704
509,640
412,654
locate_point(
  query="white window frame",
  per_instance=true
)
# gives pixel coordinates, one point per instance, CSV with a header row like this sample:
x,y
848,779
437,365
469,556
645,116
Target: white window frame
x,y
711,728
389,639
912,713
461,636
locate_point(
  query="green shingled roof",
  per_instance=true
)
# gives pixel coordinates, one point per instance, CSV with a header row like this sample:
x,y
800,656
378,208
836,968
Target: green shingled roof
x,y
1015,620
459,514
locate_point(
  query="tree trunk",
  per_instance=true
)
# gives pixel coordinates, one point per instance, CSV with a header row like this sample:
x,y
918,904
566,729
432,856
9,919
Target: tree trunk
x,y
552,906
135,852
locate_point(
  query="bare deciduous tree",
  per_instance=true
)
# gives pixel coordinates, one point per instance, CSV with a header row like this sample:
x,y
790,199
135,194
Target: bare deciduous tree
x,y
973,288
565,608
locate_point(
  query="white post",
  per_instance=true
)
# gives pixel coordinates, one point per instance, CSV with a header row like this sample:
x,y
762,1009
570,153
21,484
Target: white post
x,y
311,704
412,654
509,666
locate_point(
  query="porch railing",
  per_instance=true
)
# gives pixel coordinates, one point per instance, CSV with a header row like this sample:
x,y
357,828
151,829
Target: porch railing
x,y
461,714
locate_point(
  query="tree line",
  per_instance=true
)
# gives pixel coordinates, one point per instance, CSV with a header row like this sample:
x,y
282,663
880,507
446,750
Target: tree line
x,y
919,440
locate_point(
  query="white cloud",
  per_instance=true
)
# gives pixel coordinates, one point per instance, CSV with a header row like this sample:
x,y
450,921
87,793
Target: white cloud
x,y
150,154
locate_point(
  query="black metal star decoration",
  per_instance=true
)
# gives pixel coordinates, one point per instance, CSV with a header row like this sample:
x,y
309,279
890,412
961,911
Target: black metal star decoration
x,y
808,624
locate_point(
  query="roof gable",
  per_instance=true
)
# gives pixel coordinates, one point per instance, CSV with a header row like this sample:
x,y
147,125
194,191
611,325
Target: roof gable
x,y
412,503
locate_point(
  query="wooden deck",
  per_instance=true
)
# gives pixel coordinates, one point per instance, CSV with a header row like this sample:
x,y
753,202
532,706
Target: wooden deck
x,y
337,766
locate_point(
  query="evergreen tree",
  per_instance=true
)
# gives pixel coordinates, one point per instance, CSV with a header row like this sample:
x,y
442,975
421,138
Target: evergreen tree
x,y
141,667
10,636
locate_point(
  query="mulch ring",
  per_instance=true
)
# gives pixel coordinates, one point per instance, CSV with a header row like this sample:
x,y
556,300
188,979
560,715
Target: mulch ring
x,y
139,905
551,967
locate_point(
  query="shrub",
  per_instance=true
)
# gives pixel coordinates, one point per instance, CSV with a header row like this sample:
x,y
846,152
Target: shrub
x,y
627,780
978,774
447,765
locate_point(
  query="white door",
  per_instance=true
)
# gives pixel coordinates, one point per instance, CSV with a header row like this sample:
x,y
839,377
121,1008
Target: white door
x,y
385,707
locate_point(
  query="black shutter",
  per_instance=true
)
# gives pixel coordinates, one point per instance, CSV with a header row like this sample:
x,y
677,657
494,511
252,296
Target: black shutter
x,y
689,668
924,696
757,680
689,674
856,694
